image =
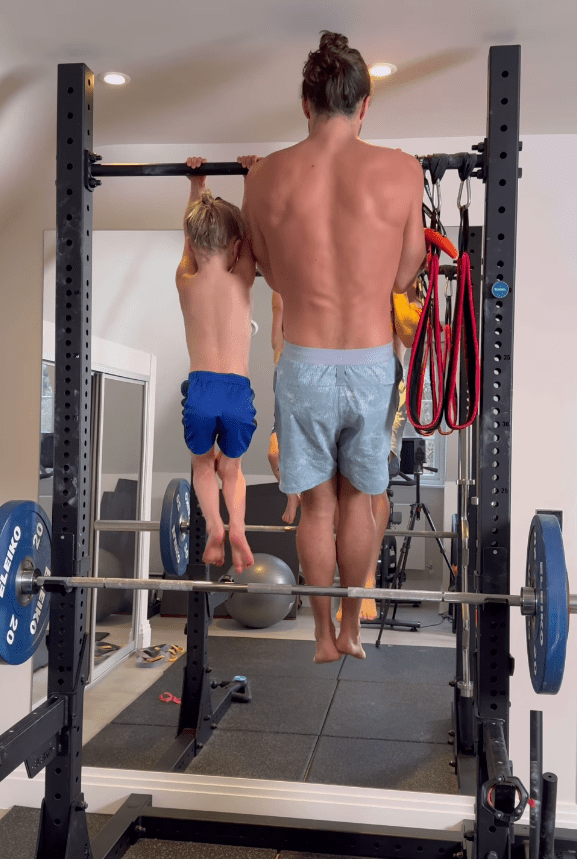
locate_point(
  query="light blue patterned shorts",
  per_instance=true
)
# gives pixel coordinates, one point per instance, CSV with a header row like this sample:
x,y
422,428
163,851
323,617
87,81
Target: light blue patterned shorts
x,y
334,411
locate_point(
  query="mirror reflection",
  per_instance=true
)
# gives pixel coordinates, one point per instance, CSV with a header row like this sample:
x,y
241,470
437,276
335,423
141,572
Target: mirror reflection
x,y
382,722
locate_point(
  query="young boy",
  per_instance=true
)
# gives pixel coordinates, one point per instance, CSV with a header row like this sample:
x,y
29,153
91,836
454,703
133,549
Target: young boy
x,y
214,280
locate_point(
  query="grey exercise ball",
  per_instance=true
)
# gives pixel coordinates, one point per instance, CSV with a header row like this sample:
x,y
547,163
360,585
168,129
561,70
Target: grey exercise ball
x,y
259,610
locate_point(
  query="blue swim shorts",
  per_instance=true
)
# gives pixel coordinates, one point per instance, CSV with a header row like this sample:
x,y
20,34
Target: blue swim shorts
x,y
334,411
218,407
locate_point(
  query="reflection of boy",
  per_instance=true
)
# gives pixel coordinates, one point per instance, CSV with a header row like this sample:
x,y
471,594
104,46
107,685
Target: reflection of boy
x,y
214,280
277,342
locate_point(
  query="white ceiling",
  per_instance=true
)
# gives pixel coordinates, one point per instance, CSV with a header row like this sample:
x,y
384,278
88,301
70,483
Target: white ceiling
x,y
230,71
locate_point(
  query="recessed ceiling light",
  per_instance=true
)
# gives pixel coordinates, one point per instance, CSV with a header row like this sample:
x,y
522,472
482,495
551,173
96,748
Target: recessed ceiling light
x,y
382,70
114,78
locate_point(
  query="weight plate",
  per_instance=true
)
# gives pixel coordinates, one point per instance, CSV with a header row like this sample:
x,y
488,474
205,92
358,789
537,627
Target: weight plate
x,y
548,628
173,541
25,545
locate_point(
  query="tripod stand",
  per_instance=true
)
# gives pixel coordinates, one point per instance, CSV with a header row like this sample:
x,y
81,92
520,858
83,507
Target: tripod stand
x,y
417,507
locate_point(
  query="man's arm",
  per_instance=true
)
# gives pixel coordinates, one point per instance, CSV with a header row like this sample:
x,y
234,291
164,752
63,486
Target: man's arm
x,y
257,243
277,336
414,252
188,265
245,266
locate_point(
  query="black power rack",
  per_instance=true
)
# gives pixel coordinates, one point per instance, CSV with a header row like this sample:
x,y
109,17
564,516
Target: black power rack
x,y
481,703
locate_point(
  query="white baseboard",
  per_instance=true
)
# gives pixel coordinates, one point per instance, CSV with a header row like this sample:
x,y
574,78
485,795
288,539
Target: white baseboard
x,y
106,790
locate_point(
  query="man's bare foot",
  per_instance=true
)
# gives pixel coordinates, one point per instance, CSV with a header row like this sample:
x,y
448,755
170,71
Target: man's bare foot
x,y
242,556
292,505
326,651
351,646
368,610
214,549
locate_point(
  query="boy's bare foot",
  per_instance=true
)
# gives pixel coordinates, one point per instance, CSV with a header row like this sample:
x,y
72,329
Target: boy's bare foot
x,y
214,549
351,646
292,505
242,556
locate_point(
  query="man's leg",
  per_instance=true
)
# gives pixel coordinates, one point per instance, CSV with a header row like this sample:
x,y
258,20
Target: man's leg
x,y
356,538
317,556
293,500
234,492
380,507
208,494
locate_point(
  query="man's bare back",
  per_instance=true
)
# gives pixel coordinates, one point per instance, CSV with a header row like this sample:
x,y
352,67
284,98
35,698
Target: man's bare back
x,y
335,223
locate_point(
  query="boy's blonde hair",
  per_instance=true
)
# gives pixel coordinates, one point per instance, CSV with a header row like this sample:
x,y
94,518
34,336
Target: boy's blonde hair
x,y
212,224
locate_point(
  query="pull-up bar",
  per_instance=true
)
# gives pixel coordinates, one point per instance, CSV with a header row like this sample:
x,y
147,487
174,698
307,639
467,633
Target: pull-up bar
x,y
219,168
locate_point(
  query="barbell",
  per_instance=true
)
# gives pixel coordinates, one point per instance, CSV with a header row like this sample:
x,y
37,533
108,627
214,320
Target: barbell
x,y
26,581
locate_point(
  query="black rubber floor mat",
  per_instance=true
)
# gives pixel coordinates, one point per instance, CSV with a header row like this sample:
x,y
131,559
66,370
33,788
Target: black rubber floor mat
x,y
383,764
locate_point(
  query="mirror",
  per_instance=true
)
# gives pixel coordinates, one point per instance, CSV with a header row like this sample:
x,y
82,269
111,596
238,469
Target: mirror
x,y
136,310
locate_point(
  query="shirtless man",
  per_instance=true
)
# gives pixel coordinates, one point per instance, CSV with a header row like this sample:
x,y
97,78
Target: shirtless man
x,y
214,279
335,225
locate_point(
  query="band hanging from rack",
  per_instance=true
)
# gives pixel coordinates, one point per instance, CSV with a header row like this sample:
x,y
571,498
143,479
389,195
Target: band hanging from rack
x,y
437,349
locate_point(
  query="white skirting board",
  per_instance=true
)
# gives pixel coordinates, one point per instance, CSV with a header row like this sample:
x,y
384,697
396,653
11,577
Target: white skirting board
x,y
106,790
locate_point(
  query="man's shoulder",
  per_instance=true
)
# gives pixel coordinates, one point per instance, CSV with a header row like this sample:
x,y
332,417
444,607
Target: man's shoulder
x,y
274,160
392,156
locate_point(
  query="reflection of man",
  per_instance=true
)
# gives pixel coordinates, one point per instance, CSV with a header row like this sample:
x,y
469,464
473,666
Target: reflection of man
x,y
335,223
277,342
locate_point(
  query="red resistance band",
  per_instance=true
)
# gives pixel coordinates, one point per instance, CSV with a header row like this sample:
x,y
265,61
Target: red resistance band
x,y
428,350
464,335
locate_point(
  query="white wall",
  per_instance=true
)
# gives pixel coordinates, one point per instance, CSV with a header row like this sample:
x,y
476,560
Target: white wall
x,y
543,472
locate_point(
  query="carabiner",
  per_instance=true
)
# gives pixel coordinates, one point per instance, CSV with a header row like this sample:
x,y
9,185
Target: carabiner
x,y
468,203
437,205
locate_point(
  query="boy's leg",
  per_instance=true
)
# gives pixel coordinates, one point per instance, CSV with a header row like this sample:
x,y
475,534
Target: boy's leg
x,y
293,500
208,494
355,548
316,550
234,492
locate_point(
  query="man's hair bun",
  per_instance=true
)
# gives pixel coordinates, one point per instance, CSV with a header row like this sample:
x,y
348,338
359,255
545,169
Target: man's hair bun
x,y
335,77
335,42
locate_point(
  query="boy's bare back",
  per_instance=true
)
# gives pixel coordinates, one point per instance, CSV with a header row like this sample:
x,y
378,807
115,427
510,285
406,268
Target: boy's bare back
x,y
216,306
214,280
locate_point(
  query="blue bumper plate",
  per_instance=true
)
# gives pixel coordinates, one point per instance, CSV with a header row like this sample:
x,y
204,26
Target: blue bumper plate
x,y
548,628
25,545
174,542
